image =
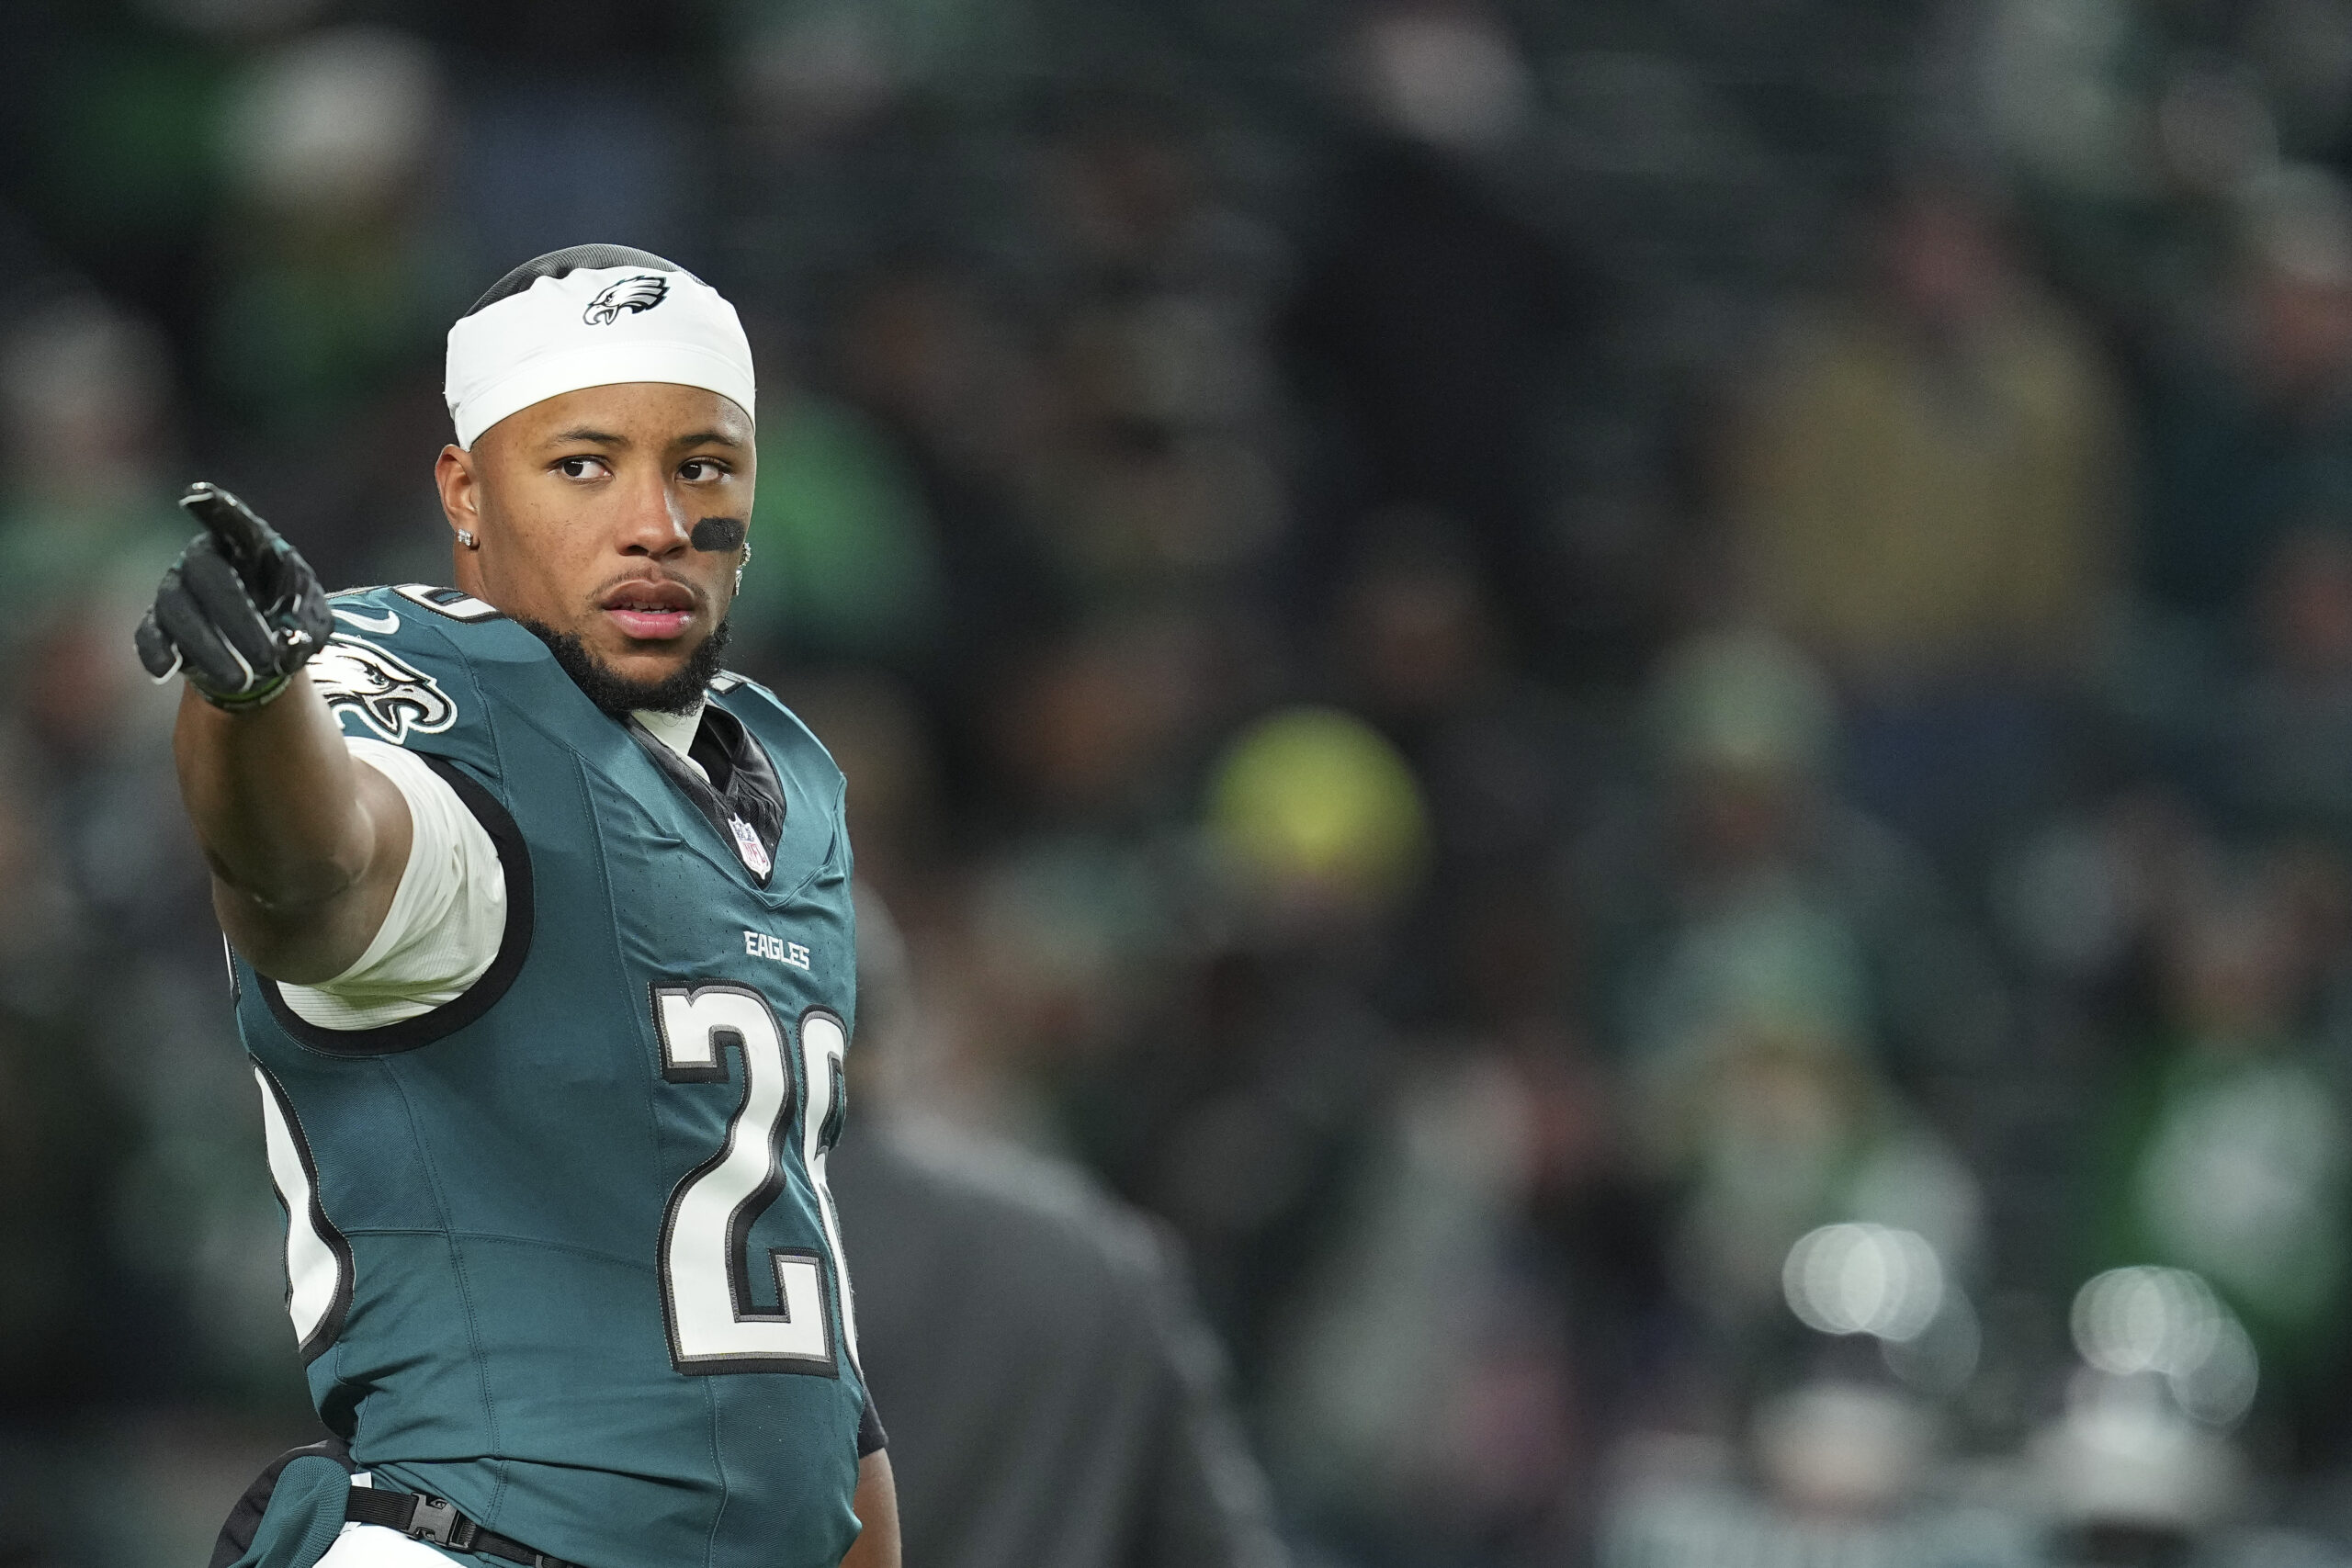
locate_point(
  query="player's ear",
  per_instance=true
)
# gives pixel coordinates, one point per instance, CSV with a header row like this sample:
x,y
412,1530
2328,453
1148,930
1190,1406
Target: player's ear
x,y
461,486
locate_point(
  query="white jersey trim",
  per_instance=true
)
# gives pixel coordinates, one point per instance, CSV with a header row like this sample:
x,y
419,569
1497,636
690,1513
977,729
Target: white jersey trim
x,y
447,920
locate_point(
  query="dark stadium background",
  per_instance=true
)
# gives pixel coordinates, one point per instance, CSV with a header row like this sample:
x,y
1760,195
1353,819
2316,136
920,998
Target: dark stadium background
x,y
1643,705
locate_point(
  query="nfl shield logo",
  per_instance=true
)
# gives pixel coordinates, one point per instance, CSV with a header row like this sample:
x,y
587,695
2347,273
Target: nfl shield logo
x,y
747,844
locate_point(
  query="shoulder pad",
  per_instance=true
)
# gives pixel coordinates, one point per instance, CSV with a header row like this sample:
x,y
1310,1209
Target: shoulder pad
x,y
791,744
454,602
394,670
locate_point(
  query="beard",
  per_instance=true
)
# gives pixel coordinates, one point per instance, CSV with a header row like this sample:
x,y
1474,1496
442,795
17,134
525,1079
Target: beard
x,y
615,694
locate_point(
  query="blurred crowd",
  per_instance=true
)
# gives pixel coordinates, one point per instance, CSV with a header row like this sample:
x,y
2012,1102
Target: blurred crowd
x,y
1642,708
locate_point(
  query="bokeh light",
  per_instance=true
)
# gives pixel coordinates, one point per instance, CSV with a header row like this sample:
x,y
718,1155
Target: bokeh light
x,y
2168,1322
1864,1279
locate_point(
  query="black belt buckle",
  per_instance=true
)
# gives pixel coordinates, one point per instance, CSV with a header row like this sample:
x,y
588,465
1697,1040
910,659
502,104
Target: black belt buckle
x,y
436,1519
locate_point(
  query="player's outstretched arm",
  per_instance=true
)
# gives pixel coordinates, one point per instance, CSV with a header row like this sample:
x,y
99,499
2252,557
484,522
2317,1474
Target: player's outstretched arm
x,y
306,846
877,1512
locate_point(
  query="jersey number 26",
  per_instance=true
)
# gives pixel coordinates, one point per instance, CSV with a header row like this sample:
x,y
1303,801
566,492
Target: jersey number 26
x,y
706,1272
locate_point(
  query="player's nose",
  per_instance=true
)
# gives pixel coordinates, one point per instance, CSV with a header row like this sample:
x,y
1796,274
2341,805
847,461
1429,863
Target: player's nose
x,y
653,522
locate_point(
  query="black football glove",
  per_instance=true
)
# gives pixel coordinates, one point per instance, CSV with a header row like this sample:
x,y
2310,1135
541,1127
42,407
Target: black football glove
x,y
239,612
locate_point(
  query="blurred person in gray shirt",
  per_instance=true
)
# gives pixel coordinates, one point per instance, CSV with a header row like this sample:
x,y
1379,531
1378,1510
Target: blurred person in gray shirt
x,y
1056,1400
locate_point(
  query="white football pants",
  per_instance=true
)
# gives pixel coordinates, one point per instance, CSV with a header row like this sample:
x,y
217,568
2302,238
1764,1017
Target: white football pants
x,y
373,1546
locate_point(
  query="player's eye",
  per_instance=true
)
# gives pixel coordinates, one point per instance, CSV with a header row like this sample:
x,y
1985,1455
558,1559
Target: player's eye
x,y
701,470
581,468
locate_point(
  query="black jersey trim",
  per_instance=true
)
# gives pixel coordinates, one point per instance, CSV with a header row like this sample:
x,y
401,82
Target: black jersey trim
x,y
513,947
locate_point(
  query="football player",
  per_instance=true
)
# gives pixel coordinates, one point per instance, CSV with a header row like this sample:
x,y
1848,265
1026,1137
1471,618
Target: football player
x,y
541,931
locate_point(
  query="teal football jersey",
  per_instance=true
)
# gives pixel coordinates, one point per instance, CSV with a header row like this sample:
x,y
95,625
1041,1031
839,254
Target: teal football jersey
x,y
562,1250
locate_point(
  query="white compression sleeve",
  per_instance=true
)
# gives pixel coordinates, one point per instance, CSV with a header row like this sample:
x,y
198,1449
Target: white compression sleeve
x,y
447,916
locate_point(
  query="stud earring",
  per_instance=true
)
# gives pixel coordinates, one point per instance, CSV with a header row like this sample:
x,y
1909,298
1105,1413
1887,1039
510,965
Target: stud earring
x,y
465,538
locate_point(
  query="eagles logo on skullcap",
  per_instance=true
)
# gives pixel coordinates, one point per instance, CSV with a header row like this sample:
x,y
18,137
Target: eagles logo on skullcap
x,y
592,316
641,292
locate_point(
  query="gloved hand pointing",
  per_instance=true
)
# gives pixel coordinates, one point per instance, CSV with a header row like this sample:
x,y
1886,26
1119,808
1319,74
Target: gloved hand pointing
x,y
239,612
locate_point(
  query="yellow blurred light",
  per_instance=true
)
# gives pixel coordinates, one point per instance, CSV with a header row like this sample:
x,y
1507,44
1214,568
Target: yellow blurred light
x,y
1316,796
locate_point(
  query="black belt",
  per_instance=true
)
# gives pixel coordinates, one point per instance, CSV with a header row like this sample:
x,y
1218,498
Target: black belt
x,y
437,1520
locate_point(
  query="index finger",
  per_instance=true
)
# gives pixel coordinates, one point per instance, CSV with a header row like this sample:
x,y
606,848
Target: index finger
x,y
242,537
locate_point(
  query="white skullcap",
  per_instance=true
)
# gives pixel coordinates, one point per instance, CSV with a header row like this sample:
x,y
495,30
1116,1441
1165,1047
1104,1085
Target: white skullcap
x,y
591,316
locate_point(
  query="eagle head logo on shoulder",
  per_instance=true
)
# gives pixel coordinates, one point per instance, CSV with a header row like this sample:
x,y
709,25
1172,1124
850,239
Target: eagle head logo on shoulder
x,y
390,695
639,291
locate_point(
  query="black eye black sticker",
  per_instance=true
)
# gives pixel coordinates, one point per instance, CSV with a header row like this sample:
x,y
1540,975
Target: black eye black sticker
x,y
720,534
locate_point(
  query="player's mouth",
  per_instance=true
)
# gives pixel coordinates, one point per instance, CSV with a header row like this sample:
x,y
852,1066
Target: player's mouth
x,y
650,612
